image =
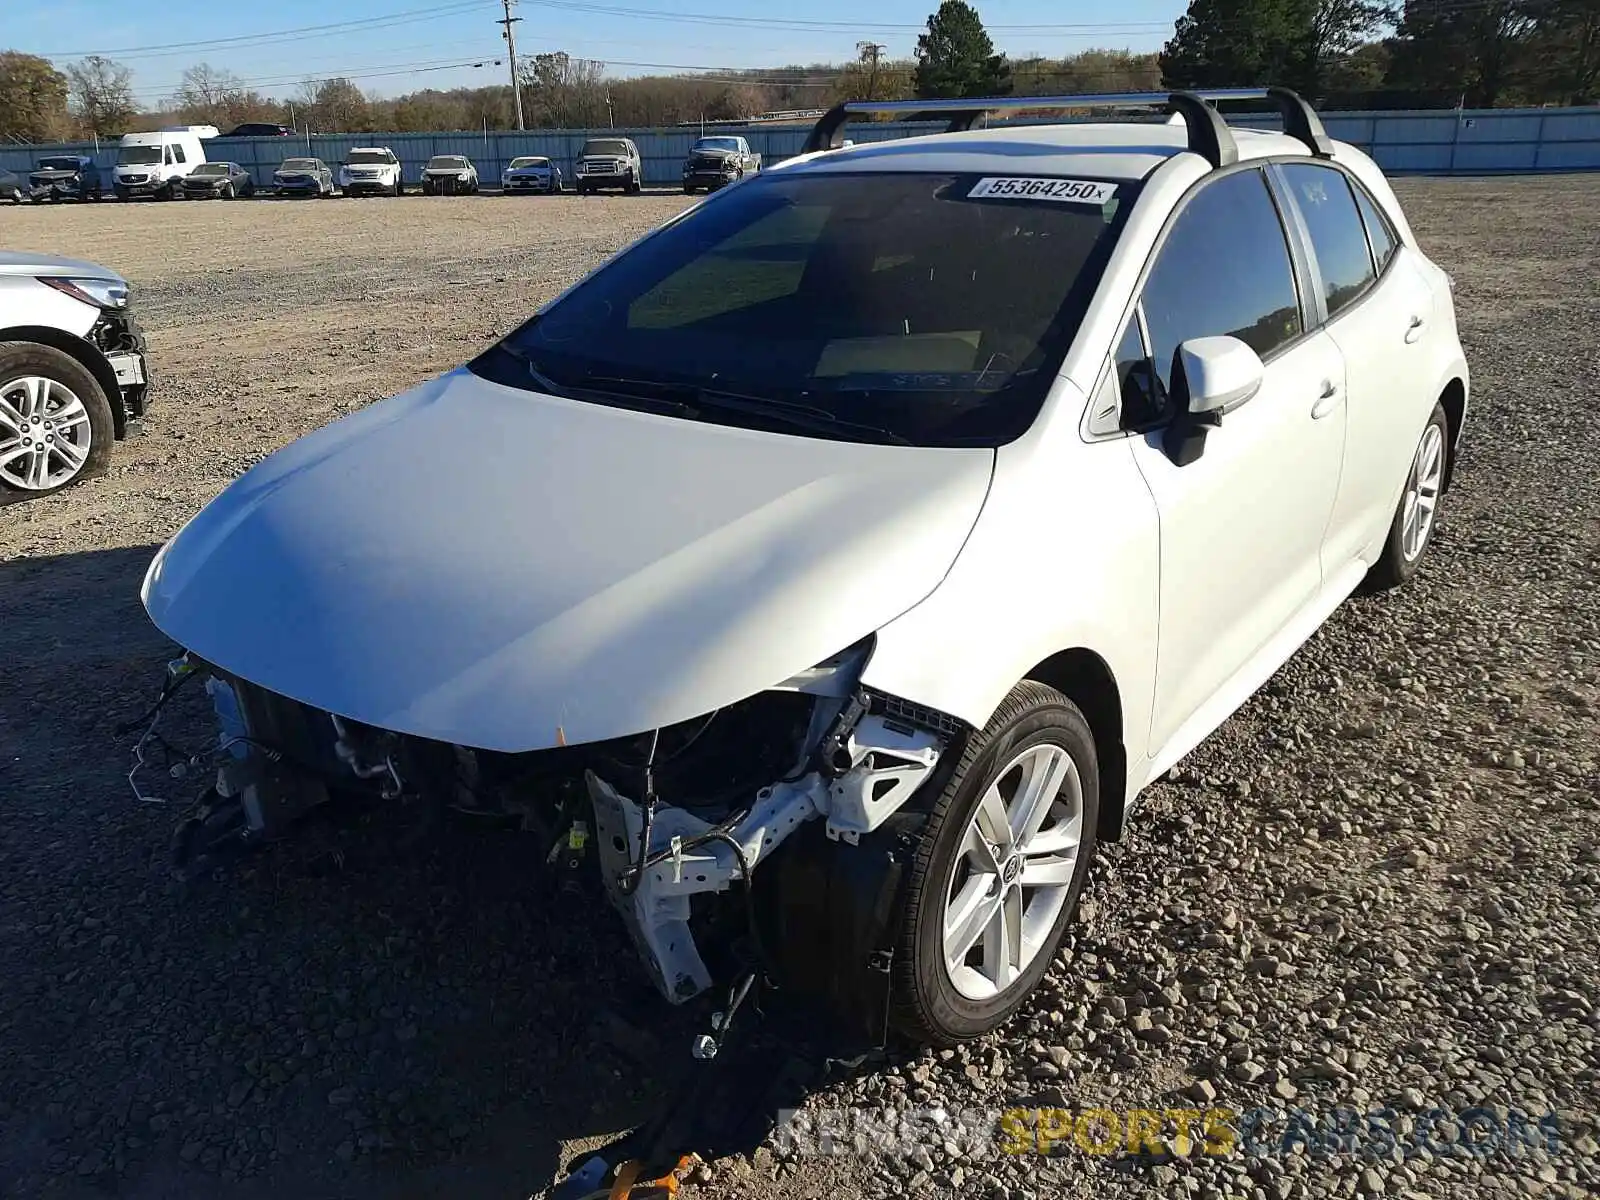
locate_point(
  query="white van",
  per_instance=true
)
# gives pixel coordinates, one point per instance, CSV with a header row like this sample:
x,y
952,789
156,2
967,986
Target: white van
x,y
154,164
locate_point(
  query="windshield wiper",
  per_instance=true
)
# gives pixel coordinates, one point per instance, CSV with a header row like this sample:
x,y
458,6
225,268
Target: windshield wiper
x,y
690,399
799,416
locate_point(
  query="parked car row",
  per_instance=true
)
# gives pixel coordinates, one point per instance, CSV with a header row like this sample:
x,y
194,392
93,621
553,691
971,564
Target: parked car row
x,y
170,164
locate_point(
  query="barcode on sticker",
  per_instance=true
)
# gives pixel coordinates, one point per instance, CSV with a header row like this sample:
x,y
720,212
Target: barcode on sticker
x,y
1068,191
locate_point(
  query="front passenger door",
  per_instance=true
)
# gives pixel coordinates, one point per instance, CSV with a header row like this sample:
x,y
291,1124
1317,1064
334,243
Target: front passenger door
x,y
1241,526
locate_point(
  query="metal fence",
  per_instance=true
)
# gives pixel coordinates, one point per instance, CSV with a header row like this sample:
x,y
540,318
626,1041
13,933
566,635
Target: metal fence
x,y
1470,141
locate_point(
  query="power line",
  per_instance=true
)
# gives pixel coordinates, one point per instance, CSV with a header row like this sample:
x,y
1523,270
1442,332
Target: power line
x,y
300,33
584,6
398,69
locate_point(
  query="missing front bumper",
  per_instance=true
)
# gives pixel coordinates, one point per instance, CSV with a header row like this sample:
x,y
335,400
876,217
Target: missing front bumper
x,y
879,764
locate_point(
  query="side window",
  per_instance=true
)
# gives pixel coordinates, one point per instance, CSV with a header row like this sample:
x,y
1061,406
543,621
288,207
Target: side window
x,y
1224,269
1322,194
1379,232
166,156
177,154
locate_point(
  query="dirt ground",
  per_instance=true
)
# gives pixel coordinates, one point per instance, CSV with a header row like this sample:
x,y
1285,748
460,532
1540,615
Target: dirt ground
x,y
1378,879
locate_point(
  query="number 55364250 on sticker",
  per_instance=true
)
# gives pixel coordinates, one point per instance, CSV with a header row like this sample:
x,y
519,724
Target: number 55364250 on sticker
x,y
1070,191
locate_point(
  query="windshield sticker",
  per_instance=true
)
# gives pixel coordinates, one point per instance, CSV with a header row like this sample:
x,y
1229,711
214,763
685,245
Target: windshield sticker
x,y
1064,191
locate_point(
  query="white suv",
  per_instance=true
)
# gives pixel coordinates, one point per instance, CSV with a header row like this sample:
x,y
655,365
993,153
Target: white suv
x,y
371,171
72,370
901,514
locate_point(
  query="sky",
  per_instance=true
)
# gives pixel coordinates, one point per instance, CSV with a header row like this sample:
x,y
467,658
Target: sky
x,y
394,46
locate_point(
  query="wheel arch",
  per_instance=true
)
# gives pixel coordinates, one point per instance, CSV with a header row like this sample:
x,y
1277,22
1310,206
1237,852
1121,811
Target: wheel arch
x,y
1087,680
1454,402
85,353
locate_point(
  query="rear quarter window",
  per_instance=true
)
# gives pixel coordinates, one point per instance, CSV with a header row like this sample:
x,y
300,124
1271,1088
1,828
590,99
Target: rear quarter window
x,y
1380,232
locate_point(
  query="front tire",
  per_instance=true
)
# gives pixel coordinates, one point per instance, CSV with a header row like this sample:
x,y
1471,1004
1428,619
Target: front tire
x,y
997,875
55,421
1411,531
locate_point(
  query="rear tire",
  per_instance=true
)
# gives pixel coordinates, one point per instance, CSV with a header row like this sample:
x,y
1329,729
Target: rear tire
x,y
1411,531
1036,736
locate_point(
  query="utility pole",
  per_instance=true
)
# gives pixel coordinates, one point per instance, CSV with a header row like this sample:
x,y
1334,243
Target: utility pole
x,y
511,54
868,52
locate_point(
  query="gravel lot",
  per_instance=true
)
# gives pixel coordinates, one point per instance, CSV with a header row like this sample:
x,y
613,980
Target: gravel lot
x,y
1379,884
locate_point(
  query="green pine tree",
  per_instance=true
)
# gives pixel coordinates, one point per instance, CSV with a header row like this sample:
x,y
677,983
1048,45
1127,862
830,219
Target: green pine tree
x,y
956,58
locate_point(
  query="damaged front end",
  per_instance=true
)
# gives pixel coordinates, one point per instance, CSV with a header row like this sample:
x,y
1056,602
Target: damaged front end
x,y
676,816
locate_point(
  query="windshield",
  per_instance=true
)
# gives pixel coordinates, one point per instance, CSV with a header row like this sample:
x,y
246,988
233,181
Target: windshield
x,y
720,143
934,309
60,164
369,157
299,164
138,156
529,162
447,162
211,169
607,146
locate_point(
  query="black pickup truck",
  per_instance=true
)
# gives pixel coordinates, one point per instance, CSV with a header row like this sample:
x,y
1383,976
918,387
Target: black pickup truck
x,y
65,177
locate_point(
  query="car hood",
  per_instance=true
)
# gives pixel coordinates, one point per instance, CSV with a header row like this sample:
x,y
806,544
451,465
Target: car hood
x,y
53,174
511,571
16,262
448,171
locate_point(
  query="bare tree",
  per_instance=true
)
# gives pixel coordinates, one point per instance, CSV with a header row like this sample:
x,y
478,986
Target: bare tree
x,y
334,106
563,92
208,95
102,95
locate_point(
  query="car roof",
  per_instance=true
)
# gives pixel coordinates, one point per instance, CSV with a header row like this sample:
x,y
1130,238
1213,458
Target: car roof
x,y
1102,150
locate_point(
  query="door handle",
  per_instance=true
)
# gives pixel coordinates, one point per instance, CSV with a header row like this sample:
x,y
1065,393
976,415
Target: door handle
x,y
1327,401
1414,330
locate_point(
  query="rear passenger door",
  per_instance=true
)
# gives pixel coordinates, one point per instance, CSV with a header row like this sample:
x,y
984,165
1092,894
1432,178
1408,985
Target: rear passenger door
x,y
1377,309
1242,525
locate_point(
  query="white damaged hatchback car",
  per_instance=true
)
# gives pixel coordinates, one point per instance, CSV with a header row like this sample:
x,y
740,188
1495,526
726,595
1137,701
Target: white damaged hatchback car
x,y
845,557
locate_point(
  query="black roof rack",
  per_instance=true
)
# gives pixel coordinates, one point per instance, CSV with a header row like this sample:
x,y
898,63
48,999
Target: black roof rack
x,y
1209,135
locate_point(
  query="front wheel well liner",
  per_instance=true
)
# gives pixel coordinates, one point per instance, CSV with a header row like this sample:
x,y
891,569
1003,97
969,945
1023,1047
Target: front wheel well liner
x,y
1084,678
1454,402
86,353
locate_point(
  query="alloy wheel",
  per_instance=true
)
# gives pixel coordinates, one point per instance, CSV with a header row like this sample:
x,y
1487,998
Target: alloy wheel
x,y
1422,493
45,435
1014,871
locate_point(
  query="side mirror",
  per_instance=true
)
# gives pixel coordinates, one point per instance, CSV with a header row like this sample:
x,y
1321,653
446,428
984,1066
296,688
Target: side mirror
x,y
1215,375
1220,373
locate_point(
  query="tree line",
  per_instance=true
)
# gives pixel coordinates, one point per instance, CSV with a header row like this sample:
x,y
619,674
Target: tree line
x,y
1339,53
